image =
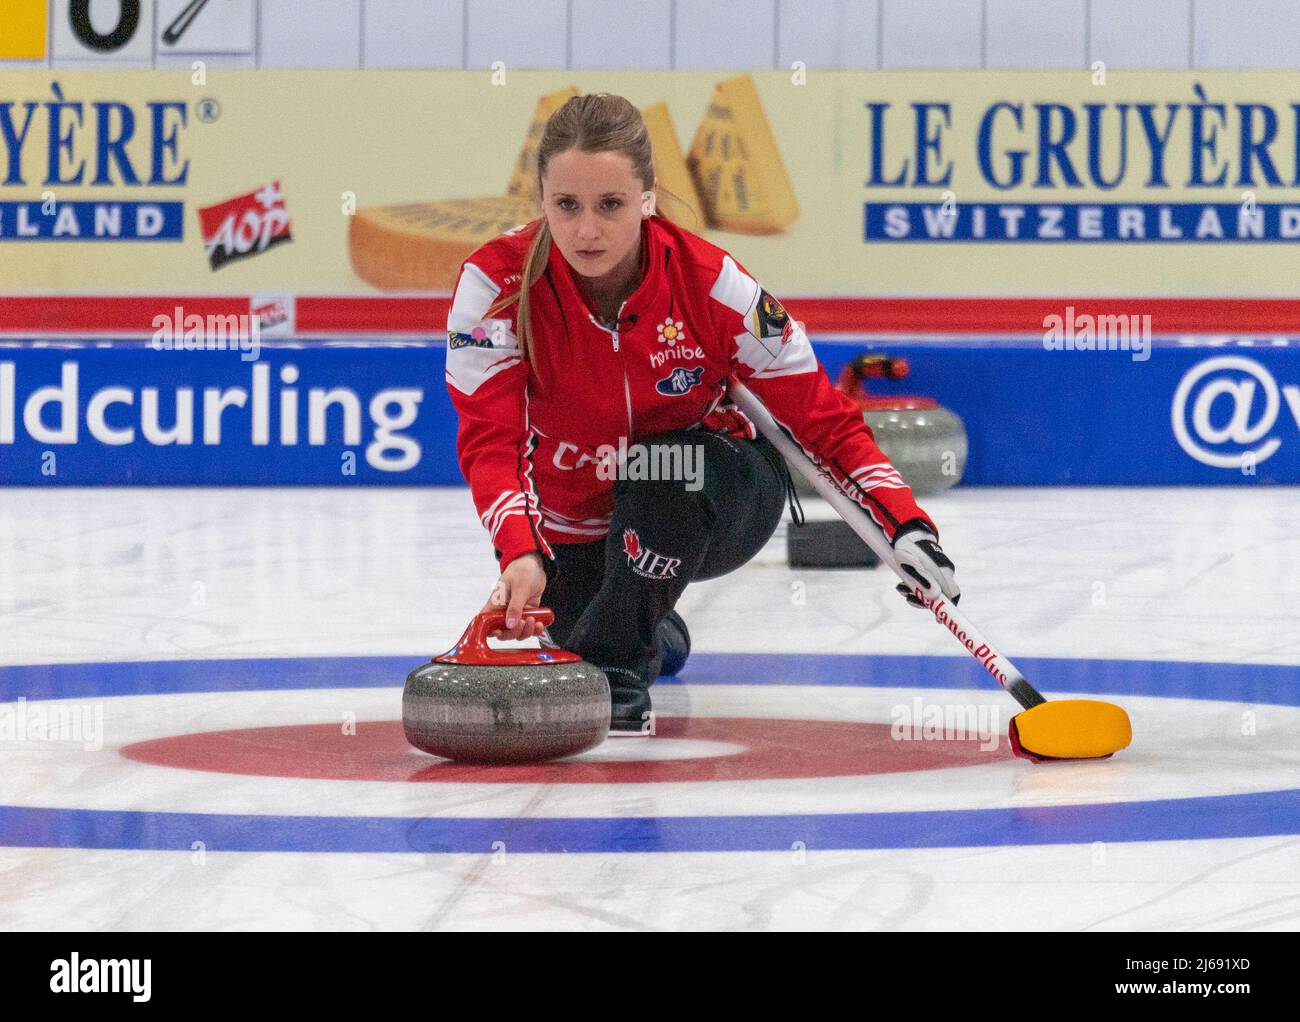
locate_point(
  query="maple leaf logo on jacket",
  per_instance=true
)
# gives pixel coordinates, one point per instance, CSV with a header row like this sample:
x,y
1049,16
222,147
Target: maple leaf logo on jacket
x,y
645,562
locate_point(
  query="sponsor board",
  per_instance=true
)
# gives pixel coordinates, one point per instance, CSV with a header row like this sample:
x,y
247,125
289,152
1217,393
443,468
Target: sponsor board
x,y
847,184
167,412
1220,411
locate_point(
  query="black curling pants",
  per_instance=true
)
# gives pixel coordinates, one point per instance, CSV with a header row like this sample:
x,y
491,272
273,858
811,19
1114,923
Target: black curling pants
x,y
610,595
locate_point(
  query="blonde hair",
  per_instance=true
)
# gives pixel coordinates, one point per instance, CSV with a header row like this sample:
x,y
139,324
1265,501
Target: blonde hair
x,y
597,123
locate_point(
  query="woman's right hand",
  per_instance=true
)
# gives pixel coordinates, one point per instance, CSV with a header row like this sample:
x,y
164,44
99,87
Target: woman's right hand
x,y
520,587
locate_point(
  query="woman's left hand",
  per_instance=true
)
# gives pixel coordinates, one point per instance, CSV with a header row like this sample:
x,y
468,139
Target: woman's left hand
x,y
920,555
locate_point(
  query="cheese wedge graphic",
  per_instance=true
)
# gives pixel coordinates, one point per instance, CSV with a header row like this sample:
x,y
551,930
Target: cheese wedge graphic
x,y
523,179
671,169
420,246
737,166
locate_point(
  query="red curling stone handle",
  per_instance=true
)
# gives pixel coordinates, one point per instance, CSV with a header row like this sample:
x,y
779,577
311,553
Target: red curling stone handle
x,y
472,647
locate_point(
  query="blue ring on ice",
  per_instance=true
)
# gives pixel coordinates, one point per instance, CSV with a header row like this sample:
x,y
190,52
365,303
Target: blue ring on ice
x,y
1256,814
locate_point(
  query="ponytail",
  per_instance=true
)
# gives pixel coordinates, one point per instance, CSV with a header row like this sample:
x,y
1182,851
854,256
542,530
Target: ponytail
x,y
539,254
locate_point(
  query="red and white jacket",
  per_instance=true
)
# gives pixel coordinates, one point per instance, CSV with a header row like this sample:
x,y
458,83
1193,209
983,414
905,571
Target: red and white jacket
x,y
530,434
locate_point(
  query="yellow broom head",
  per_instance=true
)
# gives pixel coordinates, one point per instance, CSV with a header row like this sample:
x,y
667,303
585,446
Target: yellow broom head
x,y
1070,729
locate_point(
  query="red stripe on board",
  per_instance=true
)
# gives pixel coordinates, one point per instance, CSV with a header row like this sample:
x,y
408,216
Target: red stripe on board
x,y
373,315
110,314
427,317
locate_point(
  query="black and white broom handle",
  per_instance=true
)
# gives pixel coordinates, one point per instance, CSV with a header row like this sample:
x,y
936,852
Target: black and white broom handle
x,y
945,613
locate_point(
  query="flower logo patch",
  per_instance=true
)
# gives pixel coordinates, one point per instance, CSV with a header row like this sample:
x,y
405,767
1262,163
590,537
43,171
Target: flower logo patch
x,y
671,331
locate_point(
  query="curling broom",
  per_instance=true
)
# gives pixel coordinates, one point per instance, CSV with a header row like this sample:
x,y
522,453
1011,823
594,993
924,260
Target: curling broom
x,y
1059,729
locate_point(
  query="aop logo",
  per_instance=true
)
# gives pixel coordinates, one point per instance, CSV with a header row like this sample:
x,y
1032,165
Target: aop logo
x,y
245,225
1233,384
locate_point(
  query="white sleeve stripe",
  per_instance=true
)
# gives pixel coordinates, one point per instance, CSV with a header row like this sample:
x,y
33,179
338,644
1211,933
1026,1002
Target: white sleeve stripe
x,y
803,362
475,293
597,520
753,352
573,530
491,516
470,368
535,505
870,482
505,495
508,514
496,528
874,471
493,521
734,288
794,357
884,480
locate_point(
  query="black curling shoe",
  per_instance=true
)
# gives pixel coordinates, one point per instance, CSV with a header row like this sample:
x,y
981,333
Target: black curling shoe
x,y
674,643
629,692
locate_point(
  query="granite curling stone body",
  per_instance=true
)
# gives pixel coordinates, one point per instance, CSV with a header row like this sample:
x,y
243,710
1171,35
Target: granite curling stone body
x,y
475,704
923,440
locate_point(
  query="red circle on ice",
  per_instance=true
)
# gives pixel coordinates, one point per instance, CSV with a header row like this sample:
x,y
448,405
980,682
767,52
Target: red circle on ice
x,y
378,751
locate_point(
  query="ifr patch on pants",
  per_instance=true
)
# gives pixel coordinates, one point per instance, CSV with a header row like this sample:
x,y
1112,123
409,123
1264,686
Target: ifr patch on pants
x,y
645,562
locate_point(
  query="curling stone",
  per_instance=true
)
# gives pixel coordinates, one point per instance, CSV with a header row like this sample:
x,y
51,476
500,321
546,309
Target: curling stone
x,y
476,704
925,441
830,544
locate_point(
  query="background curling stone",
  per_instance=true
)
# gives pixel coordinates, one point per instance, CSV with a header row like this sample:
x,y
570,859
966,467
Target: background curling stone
x,y
925,441
827,545
475,704
927,445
